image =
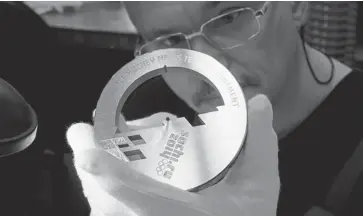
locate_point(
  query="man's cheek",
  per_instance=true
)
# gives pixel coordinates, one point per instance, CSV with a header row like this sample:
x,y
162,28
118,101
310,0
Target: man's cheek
x,y
250,92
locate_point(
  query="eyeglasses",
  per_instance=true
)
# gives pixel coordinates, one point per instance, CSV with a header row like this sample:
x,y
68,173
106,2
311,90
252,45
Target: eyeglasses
x,y
226,31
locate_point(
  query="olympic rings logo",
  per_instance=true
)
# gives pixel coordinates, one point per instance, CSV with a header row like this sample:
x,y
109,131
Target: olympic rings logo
x,y
161,166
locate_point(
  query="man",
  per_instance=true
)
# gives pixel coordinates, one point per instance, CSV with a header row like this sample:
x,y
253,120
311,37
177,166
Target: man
x,y
259,43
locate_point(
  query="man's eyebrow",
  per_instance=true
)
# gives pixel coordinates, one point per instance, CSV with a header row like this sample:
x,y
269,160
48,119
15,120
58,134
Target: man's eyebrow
x,y
155,33
211,4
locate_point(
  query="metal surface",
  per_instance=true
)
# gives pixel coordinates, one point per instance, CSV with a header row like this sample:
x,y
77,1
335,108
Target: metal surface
x,y
174,152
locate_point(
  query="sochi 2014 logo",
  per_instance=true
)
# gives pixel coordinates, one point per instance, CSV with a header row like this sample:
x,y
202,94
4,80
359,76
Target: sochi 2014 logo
x,y
172,153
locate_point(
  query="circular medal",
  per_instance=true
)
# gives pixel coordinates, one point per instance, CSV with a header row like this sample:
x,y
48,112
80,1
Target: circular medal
x,y
174,152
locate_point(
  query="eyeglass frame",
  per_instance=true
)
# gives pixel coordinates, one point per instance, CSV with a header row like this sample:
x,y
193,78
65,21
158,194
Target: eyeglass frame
x,y
257,13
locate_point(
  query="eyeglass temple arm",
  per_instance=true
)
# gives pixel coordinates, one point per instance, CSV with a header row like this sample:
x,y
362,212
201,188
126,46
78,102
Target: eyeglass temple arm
x,y
263,9
138,45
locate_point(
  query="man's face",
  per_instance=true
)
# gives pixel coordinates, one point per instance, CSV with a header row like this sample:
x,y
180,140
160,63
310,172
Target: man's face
x,y
260,65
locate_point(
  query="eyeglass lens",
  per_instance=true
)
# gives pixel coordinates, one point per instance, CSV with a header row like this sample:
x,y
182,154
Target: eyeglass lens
x,y
232,29
227,31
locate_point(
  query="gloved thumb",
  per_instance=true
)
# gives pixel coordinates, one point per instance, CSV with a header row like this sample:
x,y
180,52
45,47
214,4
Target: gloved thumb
x,y
80,137
258,161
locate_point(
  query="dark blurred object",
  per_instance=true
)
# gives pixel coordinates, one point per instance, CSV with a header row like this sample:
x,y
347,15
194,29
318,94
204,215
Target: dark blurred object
x,y
25,41
16,115
18,158
18,121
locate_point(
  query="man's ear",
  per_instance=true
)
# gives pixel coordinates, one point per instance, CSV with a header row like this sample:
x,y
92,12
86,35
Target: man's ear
x,y
300,12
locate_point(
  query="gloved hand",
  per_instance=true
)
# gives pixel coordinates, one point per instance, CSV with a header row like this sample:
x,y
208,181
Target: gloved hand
x,y
250,187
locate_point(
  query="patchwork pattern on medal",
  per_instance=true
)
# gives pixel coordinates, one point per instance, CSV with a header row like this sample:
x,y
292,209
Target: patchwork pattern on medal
x,y
115,145
134,155
137,139
127,144
111,146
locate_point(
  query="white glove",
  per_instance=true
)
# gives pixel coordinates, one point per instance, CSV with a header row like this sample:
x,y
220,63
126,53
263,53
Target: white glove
x,y
251,186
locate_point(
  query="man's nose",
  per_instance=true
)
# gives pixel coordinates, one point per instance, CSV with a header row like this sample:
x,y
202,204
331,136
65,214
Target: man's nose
x,y
201,44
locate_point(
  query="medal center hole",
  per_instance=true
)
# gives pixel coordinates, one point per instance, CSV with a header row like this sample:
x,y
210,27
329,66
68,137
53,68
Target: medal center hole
x,y
179,92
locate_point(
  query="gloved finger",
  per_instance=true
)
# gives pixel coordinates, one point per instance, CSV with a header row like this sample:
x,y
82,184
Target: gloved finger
x,y
80,137
254,179
259,159
138,191
103,165
123,183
